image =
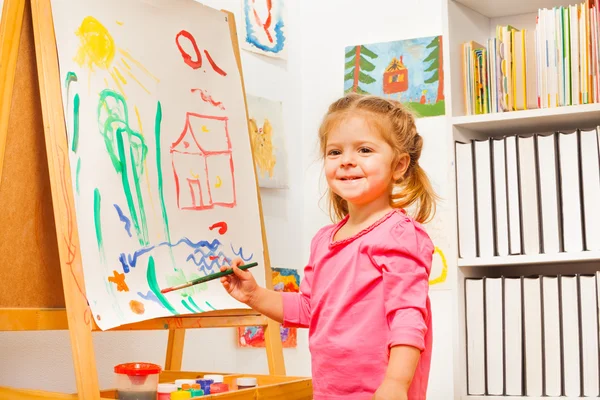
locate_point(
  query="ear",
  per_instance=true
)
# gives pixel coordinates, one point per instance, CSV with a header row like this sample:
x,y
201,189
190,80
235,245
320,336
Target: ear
x,y
401,166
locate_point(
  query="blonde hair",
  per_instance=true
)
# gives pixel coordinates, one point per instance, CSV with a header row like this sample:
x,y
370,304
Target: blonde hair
x,y
397,126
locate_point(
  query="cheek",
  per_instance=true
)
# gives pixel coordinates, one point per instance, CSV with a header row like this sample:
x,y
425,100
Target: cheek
x,y
376,168
330,168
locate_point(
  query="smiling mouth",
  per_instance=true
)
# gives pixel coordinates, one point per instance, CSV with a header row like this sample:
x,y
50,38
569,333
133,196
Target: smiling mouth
x,y
351,178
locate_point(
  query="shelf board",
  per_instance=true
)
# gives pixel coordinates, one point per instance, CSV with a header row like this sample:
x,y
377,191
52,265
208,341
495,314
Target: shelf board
x,y
529,259
522,398
495,8
532,121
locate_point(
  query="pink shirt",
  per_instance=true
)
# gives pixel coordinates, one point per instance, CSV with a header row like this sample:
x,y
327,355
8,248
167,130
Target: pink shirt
x,y
359,297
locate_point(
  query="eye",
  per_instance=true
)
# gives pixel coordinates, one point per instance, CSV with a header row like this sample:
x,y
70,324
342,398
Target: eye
x,y
334,153
365,150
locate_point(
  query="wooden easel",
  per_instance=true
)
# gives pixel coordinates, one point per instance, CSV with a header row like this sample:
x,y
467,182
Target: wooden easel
x,y
35,232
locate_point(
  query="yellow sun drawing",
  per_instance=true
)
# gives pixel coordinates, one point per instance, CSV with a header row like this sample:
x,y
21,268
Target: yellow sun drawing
x,y
98,52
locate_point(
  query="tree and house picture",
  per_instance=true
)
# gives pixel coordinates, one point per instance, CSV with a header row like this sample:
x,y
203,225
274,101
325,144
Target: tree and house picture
x,y
410,71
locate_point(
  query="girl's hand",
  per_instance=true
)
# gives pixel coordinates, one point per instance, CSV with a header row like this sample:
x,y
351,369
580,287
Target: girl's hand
x,y
391,390
241,285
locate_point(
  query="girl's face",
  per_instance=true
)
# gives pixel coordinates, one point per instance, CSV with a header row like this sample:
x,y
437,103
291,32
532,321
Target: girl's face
x,y
358,162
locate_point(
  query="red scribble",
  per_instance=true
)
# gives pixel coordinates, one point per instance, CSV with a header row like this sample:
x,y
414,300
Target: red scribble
x,y
221,225
200,196
267,23
68,237
186,57
119,280
214,66
212,258
197,63
208,98
175,323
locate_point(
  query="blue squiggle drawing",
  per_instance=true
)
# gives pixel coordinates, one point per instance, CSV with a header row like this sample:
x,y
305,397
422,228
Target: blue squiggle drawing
x,y
207,266
151,297
129,261
124,219
240,253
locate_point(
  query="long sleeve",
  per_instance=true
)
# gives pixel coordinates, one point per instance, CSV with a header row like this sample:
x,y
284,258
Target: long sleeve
x,y
296,306
405,260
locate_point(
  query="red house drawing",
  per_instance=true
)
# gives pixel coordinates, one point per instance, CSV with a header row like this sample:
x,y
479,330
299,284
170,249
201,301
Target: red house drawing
x,y
203,164
395,77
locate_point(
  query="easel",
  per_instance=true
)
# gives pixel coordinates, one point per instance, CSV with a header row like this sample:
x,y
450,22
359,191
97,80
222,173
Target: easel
x,y
33,167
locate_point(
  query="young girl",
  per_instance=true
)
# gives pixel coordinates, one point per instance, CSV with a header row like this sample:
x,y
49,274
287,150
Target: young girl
x,y
364,296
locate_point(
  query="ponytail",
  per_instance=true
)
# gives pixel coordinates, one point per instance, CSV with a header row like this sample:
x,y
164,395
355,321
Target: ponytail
x,y
415,189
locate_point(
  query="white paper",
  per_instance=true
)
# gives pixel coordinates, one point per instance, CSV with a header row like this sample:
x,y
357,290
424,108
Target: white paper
x,y
190,207
264,27
268,137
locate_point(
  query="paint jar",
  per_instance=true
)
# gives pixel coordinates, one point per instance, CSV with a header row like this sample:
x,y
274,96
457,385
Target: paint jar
x,y
181,382
196,391
137,381
205,384
165,390
245,383
219,388
181,395
214,378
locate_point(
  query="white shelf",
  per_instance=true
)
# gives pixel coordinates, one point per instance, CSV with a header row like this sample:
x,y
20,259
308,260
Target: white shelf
x,y
523,398
532,121
502,8
530,259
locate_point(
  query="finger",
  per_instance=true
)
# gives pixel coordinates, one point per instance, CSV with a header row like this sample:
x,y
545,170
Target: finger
x,y
237,262
225,268
244,275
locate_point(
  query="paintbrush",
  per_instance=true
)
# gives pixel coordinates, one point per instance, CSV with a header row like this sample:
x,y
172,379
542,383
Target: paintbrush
x,y
207,278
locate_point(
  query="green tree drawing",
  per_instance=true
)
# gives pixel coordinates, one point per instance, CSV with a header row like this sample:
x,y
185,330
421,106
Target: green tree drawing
x,y
356,63
436,66
127,150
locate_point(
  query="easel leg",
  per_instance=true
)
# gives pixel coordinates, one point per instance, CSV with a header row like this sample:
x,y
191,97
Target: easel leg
x,y
175,350
274,348
78,313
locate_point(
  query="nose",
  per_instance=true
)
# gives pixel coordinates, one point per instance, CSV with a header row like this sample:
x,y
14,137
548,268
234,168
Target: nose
x,y
347,159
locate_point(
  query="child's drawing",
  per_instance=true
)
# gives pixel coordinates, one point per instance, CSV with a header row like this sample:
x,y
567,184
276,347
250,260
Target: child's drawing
x,y
268,143
264,27
204,145
410,71
284,280
159,153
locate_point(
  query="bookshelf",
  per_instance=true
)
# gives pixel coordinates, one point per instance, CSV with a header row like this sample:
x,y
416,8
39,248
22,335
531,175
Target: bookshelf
x,y
525,260
495,8
527,121
466,20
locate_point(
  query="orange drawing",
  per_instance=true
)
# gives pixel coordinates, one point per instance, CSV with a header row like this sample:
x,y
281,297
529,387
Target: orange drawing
x,y
137,307
262,147
119,280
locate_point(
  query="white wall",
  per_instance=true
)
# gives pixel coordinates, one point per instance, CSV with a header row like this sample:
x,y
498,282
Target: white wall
x,y
318,31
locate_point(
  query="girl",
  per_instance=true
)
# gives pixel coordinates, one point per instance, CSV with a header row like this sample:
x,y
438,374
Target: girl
x,y
364,296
